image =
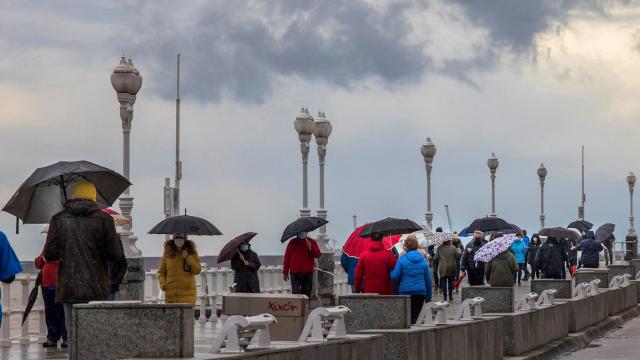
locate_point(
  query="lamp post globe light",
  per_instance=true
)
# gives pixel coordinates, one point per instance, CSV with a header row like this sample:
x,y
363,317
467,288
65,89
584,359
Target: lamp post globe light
x,y
428,151
542,174
322,131
631,181
493,163
304,126
126,81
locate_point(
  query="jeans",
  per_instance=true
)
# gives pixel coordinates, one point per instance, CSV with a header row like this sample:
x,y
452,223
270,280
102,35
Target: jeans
x,y
302,283
417,301
446,284
54,316
436,279
68,308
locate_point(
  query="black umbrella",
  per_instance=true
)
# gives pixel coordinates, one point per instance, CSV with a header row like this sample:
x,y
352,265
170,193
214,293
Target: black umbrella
x,y
32,297
303,224
390,226
605,232
231,248
44,193
559,232
582,225
488,223
185,224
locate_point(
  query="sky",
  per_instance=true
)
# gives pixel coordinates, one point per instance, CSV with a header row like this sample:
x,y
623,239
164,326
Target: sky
x,y
531,81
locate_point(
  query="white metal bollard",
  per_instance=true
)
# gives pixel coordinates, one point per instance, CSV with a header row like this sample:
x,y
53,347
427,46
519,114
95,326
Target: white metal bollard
x,y
426,316
324,324
547,297
464,312
239,333
527,302
581,290
593,287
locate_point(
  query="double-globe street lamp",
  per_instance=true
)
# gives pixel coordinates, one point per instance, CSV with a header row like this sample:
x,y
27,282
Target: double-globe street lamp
x,y
631,181
428,151
321,132
305,126
126,81
493,163
542,174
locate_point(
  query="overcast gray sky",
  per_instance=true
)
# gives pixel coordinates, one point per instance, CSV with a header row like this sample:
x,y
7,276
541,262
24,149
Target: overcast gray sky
x,y
528,80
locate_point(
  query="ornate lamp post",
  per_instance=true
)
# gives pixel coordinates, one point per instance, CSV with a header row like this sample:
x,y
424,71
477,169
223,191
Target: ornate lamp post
x,y
428,151
322,131
631,181
493,163
304,125
542,174
126,81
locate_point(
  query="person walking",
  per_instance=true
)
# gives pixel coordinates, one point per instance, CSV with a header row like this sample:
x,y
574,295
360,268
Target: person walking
x,y
458,245
473,269
349,264
117,271
374,266
527,243
53,312
531,256
179,266
608,244
412,273
446,256
550,258
246,263
591,249
83,240
520,252
501,270
9,265
299,261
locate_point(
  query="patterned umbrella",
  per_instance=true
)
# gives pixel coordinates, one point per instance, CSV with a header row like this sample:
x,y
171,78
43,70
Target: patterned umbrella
x,y
438,238
493,248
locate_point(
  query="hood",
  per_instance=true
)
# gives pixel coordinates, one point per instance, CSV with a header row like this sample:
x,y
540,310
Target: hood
x,y
503,255
414,256
81,207
376,246
517,240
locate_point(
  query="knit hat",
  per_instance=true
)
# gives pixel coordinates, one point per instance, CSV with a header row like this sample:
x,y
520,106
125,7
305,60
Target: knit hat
x,y
83,189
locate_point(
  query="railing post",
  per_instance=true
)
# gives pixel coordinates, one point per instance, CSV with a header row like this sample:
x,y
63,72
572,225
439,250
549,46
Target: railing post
x,y
273,274
201,294
229,274
212,290
24,330
42,323
5,328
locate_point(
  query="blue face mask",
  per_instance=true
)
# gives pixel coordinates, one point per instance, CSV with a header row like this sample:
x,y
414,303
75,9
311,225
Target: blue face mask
x,y
244,247
302,235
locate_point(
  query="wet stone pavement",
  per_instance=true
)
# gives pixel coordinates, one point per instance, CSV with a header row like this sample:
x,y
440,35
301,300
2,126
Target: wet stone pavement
x,y
619,344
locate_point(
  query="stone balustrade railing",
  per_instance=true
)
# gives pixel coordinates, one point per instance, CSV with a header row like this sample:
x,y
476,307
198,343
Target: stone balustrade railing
x,y
214,282
12,311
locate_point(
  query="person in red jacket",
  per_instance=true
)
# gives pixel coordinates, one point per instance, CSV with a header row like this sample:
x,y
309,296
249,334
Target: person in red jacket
x,y
299,261
374,267
53,312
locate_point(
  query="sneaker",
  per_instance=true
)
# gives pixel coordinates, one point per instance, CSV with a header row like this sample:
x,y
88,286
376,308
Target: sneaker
x,y
49,343
64,345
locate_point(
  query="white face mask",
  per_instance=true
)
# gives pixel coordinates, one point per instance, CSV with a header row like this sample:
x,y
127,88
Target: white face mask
x,y
179,242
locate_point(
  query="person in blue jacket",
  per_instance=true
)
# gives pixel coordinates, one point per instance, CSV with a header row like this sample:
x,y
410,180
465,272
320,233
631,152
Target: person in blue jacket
x,y
519,249
412,273
9,264
591,249
349,264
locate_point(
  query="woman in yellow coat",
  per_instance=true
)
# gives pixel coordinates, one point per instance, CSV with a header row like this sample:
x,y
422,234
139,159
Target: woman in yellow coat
x,y
180,263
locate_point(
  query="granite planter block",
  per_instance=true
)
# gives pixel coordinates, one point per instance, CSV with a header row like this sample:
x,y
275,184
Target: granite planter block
x,y
587,311
496,299
132,286
564,287
636,283
622,299
620,269
479,339
117,330
586,275
372,311
527,330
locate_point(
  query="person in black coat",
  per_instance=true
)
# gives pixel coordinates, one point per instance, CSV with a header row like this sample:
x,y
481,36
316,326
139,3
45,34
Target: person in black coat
x,y
246,263
550,259
531,255
474,269
591,249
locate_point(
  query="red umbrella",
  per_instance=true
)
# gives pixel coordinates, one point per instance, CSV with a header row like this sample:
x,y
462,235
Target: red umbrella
x,y
229,250
355,244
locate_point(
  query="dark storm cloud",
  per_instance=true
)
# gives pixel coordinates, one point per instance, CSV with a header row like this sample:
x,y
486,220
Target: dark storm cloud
x,y
239,50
